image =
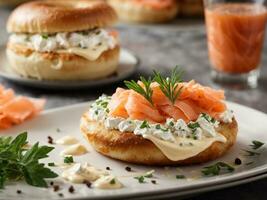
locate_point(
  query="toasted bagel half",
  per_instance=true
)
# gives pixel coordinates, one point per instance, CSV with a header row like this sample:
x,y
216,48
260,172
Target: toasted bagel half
x,y
136,149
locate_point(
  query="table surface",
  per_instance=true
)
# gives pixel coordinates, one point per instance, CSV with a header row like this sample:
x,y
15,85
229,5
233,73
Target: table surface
x,y
161,47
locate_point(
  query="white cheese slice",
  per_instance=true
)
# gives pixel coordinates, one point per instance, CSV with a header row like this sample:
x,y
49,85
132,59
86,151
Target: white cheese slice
x,y
187,149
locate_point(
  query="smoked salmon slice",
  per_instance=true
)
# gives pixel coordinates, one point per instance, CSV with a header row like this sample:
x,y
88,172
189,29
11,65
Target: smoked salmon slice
x,y
193,100
16,109
139,108
117,103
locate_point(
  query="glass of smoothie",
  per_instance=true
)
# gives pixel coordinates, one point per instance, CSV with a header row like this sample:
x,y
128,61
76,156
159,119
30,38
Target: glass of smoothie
x,y
235,31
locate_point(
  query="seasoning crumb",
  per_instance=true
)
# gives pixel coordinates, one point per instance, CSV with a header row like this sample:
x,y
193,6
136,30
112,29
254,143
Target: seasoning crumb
x,y
154,181
51,183
128,169
60,194
238,161
50,140
71,189
56,188
19,191
58,130
87,183
108,168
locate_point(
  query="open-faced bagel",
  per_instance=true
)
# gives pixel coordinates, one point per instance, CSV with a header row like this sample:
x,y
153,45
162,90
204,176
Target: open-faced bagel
x,y
135,149
50,16
131,11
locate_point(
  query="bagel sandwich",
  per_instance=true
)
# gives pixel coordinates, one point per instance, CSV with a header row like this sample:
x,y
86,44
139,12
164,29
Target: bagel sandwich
x,y
145,11
193,128
63,40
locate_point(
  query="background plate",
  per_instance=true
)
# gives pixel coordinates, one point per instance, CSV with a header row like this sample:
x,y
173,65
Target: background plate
x,y
252,126
127,66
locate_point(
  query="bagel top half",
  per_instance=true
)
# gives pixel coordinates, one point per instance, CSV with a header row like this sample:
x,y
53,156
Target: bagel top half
x,y
50,16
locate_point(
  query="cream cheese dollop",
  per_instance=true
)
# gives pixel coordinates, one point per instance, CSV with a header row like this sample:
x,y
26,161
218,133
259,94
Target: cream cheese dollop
x,y
78,173
67,140
74,150
107,182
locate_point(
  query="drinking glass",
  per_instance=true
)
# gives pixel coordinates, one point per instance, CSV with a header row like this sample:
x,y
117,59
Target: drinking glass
x,y
235,32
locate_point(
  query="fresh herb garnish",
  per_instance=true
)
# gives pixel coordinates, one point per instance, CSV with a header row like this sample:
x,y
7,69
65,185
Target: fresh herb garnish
x,y
256,144
68,159
144,124
45,36
144,90
193,125
208,118
159,127
141,179
113,181
179,176
169,85
17,163
215,169
251,153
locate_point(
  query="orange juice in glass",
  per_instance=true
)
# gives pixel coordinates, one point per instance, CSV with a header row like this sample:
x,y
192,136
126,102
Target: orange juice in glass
x,y
235,31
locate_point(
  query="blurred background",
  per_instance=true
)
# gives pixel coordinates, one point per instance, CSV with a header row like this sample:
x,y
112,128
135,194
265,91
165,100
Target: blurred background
x,y
181,41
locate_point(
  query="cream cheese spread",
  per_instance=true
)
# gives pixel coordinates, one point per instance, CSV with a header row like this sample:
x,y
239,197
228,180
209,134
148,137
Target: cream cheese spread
x,y
88,44
177,139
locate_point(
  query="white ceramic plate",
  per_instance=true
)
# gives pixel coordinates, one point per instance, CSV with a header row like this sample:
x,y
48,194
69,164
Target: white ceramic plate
x,y
127,66
252,126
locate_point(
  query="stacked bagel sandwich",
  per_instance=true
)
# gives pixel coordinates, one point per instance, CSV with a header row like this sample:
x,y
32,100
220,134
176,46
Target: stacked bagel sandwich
x,y
63,40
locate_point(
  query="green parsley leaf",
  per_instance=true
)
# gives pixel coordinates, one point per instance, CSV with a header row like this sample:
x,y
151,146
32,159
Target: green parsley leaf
x,y
145,90
68,159
216,169
256,144
17,163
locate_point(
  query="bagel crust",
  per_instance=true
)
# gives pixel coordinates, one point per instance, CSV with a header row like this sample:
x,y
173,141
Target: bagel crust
x,y
61,66
136,149
130,11
51,16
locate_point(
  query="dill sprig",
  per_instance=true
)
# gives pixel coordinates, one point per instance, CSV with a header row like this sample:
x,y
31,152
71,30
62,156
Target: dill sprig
x,y
169,85
145,91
